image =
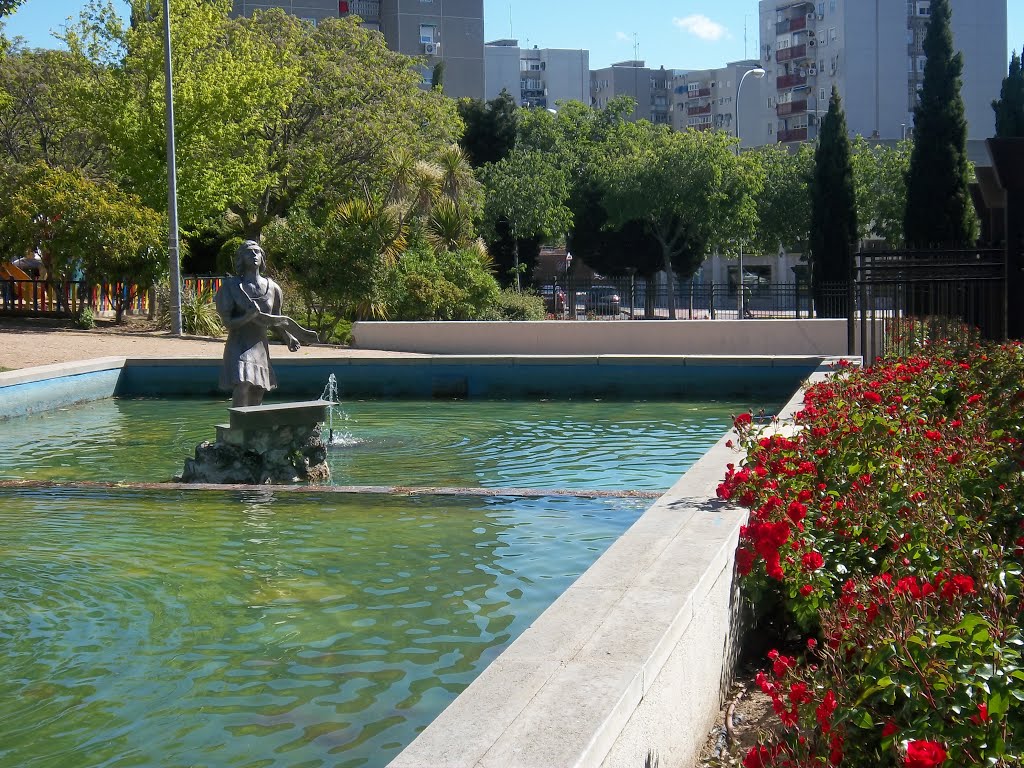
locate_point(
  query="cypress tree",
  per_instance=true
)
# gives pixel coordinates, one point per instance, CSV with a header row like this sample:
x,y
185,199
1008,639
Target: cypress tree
x,y
1009,108
833,210
939,210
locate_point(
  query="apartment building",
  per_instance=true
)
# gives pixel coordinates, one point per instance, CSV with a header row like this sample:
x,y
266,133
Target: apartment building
x,y
871,51
651,88
449,31
706,99
536,77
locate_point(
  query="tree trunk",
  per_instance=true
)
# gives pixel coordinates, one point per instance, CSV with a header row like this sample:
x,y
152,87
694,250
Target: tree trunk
x,y
670,281
515,261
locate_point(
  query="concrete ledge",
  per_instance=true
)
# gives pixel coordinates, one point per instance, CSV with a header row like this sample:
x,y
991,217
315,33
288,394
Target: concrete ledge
x,y
652,337
48,387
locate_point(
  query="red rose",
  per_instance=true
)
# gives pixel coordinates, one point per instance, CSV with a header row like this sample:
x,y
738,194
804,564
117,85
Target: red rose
x,y
924,754
813,561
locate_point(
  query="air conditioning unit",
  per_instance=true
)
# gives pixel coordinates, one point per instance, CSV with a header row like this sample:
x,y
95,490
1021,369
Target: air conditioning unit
x,y
810,17
432,49
812,71
811,33
821,17
812,42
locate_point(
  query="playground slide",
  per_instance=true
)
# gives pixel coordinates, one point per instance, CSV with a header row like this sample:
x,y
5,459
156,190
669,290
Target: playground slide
x,y
11,272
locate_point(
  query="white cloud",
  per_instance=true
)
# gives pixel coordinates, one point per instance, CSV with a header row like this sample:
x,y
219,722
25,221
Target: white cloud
x,y
701,26
622,37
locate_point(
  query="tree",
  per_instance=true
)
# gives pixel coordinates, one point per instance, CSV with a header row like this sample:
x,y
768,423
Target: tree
x,y
7,7
833,209
41,121
784,206
92,227
939,209
1009,108
529,193
490,128
880,175
690,190
271,111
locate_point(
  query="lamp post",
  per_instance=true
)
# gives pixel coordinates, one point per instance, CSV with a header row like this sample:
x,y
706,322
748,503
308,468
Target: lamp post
x,y
172,181
758,73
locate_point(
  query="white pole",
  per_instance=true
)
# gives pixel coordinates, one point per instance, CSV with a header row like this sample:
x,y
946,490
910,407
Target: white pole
x,y
758,73
172,181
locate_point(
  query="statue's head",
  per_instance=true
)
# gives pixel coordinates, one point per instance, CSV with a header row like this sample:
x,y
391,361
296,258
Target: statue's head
x,y
247,251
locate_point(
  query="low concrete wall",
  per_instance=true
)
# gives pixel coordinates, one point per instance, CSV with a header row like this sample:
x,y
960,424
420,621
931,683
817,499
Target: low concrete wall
x,y
629,666
425,376
653,337
48,387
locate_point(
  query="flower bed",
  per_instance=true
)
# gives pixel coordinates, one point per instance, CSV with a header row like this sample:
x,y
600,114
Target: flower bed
x,y
887,532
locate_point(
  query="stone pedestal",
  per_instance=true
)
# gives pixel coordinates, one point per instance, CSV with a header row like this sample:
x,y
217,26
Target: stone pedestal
x,y
264,444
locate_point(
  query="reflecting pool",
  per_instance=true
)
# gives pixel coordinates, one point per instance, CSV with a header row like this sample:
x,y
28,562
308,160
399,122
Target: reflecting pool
x,y
248,629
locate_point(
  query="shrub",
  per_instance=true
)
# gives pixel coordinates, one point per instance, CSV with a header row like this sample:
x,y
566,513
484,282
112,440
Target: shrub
x,y
889,530
85,319
198,313
513,305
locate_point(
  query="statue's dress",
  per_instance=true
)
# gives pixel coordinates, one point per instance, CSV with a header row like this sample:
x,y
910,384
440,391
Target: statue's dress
x,y
247,353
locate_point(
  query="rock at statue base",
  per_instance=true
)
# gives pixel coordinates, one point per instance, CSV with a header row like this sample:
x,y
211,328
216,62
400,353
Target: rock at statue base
x,y
264,445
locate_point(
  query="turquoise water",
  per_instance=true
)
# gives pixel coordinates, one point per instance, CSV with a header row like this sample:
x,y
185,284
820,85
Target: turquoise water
x,y
490,444
276,630
219,629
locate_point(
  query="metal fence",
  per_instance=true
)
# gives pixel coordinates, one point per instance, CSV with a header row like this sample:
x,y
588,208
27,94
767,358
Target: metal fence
x,y
66,298
904,298
638,299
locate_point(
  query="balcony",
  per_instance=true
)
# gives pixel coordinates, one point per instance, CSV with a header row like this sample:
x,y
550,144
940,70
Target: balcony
x,y
692,111
700,93
796,134
790,81
794,24
789,54
791,108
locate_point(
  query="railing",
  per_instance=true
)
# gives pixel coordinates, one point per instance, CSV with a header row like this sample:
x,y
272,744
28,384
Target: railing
x,y
691,111
698,93
638,299
791,108
794,24
796,134
906,297
790,81
66,298
793,52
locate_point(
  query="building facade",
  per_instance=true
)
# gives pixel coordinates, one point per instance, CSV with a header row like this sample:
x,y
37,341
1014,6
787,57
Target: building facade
x,y
872,52
536,77
706,99
650,88
440,31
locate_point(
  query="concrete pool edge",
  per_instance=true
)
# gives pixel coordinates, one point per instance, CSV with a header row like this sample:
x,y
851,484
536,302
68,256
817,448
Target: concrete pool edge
x,y
32,390
629,665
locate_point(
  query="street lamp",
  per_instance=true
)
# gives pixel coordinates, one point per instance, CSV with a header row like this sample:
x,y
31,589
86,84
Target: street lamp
x,y
758,73
172,181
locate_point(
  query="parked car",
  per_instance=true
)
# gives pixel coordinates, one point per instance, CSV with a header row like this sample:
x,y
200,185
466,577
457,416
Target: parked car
x,y
554,299
600,300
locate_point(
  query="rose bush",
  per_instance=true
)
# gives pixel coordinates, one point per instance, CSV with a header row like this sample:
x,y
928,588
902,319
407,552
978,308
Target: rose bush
x,y
887,528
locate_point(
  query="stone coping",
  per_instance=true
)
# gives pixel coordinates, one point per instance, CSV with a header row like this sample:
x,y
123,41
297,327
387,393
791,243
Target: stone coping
x,y
57,370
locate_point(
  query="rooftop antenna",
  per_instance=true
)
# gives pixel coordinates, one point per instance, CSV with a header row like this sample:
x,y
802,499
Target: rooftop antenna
x,y
745,17
511,36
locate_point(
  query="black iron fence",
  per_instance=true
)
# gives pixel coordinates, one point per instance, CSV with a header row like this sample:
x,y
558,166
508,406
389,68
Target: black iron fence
x,y
905,298
638,299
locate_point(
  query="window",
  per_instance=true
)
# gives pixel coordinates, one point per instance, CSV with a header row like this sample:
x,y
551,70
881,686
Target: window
x,y
832,35
771,102
832,6
427,32
821,9
821,94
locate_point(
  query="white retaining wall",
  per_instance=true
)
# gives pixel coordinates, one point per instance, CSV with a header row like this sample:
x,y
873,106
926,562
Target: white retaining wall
x,y
624,337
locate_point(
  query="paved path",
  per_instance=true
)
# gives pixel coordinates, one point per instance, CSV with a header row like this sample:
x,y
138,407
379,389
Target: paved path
x,y
24,345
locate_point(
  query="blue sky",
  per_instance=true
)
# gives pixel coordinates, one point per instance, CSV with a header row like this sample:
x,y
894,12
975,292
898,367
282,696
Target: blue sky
x,y
679,34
